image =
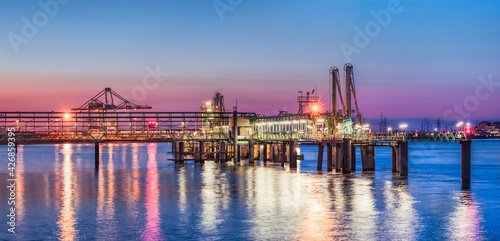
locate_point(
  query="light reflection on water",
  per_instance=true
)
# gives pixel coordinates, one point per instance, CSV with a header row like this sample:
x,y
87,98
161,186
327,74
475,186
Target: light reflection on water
x,y
67,219
137,194
464,222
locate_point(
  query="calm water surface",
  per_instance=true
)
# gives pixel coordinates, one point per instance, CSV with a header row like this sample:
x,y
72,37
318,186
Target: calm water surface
x,y
137,194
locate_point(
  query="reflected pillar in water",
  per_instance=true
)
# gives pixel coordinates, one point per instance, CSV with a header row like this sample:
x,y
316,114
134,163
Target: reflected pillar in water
x,y
465,159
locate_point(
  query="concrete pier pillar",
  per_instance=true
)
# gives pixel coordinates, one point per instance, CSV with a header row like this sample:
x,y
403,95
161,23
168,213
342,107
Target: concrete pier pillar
x,y
236,152
174,151
346,159
271,152
223,152
282,153
353,158
96,158
181,151
251,152
293,154
198,157
257,151
275,152
339,157
264,152
395,158
466,162
329,157
403,158
368,157
320,156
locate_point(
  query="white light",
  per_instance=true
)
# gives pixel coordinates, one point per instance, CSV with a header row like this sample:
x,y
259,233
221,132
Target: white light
x,y
366,126
389,129
460,123
402,126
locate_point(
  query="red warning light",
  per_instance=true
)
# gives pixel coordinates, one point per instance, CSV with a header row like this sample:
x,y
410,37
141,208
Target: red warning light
x,y
468,129
152,123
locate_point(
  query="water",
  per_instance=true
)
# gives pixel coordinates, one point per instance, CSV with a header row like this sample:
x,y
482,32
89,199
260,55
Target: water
x,y
137,194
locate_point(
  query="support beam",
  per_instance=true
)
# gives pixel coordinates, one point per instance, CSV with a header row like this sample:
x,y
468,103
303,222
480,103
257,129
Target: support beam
x,y
329,157
403,158
271,152
346,159
353,158
339,157
96,158
264,152
181,151
282,153
276,156
466,162
236,148
368,158
293,154
320,156
223,153
251,152
236,152
395,159
201,148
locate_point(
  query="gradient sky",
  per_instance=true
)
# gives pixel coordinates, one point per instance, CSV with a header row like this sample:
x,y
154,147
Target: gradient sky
x,y
426,59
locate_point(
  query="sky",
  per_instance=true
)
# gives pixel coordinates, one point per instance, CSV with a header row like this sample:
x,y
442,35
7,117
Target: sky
x,y
412,59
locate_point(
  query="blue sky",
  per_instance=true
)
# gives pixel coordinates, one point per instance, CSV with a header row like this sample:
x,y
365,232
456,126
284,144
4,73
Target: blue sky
x,y
426,59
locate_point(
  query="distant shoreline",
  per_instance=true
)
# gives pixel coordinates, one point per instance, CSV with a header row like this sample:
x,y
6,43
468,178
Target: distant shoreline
x,y
485,138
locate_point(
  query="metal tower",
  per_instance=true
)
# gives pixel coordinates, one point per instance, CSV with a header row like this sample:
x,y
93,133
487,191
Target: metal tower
x,y
350,88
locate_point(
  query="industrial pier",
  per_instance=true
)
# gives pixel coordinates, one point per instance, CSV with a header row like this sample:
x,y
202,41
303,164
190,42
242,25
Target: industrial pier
x,y
215,134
